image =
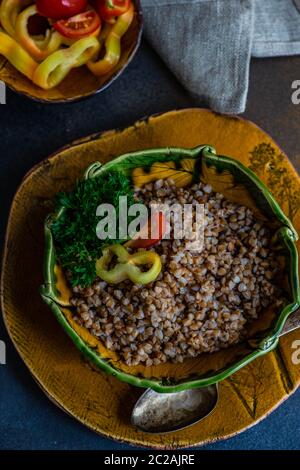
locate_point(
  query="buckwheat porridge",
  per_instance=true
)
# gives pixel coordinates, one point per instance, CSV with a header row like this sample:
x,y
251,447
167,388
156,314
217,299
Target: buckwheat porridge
x,y
200,302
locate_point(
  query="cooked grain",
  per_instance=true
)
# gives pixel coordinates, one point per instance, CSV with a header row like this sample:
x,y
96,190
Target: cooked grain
x,y
200,302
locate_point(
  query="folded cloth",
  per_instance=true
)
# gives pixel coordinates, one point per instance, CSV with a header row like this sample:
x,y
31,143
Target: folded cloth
x,y
277,28
208,43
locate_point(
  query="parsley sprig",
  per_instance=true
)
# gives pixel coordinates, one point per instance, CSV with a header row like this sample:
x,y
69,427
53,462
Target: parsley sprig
x,y
74,231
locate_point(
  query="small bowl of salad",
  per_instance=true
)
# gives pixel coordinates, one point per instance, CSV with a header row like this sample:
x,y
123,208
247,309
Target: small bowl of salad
x,y
66,50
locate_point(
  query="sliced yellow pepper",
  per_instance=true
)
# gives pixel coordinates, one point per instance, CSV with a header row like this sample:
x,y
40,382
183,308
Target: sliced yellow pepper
x,y
17,56
55,68
127,266
9,10
113,44
39,49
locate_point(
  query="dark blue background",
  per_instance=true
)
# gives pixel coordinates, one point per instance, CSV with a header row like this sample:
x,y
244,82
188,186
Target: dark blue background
x,y
30,132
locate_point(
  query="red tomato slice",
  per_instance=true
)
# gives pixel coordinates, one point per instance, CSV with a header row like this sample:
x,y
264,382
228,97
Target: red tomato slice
x,y
79,26
108,9
59,9
143,238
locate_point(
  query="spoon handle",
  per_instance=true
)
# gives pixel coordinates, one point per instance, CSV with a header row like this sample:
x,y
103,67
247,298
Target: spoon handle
x,y
292,323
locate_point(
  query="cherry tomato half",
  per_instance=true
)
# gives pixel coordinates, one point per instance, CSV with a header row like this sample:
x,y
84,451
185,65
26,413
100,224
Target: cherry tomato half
x,y
143,238
108,9
79,26
59,9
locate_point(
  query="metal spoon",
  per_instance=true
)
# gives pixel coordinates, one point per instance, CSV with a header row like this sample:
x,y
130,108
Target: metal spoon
x,y
167,412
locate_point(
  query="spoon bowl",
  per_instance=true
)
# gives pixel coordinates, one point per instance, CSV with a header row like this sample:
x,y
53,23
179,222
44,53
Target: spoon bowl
x,y
167,412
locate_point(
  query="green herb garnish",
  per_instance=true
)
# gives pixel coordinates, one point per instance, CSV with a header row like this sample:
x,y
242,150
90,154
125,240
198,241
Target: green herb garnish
x,y
74,231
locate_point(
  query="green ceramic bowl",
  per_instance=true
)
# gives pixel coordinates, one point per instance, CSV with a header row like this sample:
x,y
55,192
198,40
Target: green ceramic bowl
x,y
238,184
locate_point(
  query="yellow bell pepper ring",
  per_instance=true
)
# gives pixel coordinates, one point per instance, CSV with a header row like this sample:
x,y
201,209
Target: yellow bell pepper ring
x,y
39,49
9,10
113,44
127,266
17,56
52,71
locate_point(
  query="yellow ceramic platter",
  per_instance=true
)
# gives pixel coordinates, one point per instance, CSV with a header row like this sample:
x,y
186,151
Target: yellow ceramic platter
x,y
97,400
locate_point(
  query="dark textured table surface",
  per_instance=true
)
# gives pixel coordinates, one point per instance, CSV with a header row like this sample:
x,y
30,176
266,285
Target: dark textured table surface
x,y
30,132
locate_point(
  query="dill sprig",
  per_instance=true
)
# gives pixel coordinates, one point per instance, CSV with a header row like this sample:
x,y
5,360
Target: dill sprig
x,y
74,231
